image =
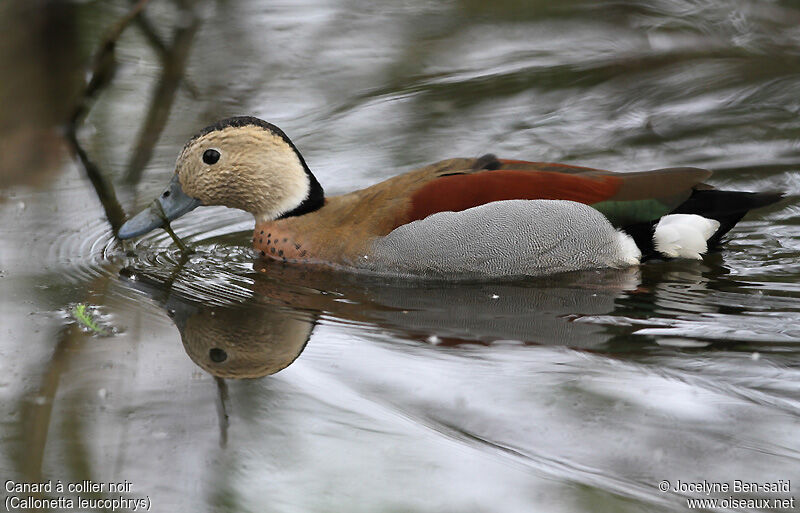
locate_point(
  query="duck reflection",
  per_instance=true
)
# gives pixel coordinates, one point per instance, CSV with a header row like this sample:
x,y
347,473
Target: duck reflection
x,y
250,339
532,310
245,341
269,323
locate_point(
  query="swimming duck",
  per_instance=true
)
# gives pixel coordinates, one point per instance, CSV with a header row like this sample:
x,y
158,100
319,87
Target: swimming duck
x,y
481,216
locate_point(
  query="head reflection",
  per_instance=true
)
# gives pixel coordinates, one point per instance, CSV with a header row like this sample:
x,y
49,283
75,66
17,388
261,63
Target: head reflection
x,y
250,339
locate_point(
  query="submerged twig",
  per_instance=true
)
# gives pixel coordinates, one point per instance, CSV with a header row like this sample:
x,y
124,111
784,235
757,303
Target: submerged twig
x,y
178,242
222,411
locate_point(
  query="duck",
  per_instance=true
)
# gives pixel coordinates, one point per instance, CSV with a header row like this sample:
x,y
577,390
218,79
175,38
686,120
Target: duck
x,y
484,216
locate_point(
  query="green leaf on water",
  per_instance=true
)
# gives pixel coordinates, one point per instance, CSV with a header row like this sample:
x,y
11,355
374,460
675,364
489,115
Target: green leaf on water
x,y
86,319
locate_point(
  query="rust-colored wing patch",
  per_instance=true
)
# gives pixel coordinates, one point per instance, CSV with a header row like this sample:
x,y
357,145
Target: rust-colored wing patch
x,y
460,192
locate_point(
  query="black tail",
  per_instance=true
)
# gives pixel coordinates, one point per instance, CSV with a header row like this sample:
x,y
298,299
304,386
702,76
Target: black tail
x,y
727,207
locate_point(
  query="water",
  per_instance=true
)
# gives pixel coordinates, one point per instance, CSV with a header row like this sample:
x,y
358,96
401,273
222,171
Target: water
x,y
566,393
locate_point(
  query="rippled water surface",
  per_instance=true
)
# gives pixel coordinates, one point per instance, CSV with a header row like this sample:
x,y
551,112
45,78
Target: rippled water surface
x,y
568,393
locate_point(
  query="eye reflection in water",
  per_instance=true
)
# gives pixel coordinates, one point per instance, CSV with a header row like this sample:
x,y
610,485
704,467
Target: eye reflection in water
x,y
217,355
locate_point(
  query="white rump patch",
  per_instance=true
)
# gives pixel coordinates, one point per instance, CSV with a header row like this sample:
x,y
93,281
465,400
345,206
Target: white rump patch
x,y
684,235
629,251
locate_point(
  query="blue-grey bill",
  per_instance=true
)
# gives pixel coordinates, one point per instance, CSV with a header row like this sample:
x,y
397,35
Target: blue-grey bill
x,y
172,204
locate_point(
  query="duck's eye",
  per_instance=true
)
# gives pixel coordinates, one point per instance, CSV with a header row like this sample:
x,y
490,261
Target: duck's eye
x,y
217,355
210,156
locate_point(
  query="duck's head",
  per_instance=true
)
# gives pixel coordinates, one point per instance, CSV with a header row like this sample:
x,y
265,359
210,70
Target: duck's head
x,y
241,162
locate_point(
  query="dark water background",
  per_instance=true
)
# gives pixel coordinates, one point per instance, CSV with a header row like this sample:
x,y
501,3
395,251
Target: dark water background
x,y
570,393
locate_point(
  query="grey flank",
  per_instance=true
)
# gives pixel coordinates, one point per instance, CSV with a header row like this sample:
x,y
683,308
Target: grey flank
x,y
516,237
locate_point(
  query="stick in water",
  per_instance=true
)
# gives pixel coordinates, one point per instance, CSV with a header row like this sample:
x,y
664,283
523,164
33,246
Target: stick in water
x,y
178,242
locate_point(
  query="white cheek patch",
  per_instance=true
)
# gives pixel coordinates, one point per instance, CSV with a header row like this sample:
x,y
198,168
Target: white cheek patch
x,y
294,191
285,185
684,235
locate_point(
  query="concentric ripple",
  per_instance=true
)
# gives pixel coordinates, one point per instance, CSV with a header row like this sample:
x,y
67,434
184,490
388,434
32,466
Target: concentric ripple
x,y
218,270
84,253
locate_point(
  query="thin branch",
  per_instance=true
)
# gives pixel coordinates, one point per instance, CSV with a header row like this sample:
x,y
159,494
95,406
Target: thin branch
x,y
105,63
102,74
102,187
149,32
162,99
